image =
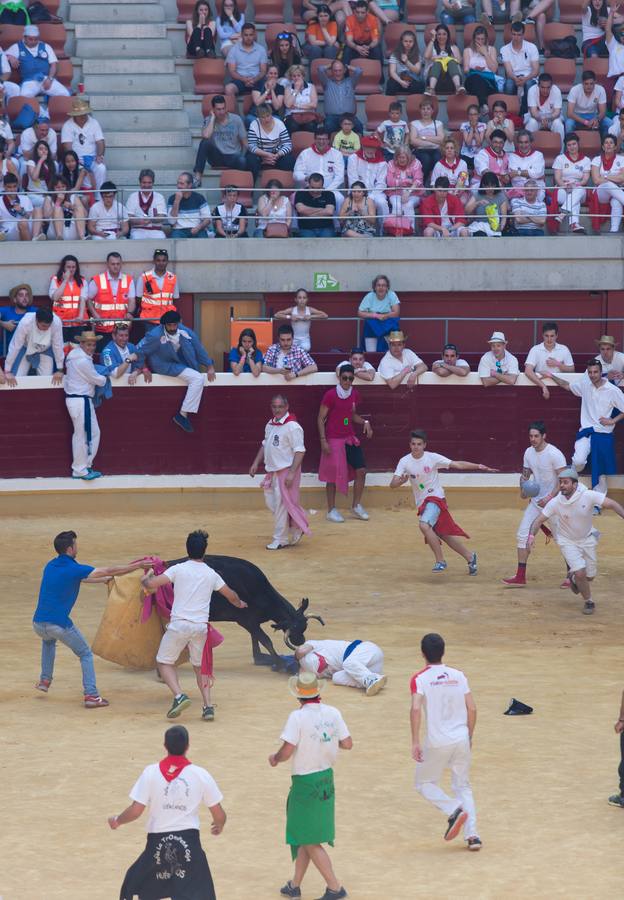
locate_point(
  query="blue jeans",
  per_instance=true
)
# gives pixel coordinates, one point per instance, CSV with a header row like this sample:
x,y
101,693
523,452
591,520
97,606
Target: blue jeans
x,y
73,639
511,89
464,18
573,125
317,232
529,232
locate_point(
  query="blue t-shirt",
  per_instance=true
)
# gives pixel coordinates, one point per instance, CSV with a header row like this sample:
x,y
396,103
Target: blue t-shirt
x,y
59,590
234,357
8,314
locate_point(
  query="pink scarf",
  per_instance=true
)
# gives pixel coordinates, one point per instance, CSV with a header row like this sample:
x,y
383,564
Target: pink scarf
x,y
290,496
333,467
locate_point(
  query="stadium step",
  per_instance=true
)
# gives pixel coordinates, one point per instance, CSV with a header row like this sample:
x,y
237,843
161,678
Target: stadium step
x,y
128,67
134,138
133,102
101,48
119,32
135,158
84,13
111,84
165,178
141,120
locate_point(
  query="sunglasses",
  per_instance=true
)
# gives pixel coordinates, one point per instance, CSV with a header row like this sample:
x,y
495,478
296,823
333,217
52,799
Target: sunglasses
x,y
161,253
346,377
284,36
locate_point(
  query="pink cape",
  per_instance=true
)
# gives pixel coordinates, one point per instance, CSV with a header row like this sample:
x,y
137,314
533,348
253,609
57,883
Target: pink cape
x,y
162,599
290,496
333,467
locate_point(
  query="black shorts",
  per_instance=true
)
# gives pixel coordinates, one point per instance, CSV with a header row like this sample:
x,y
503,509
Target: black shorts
x,y
355,456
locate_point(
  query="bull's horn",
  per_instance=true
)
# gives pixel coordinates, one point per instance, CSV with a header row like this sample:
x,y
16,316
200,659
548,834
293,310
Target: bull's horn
x,y
287,640
318,618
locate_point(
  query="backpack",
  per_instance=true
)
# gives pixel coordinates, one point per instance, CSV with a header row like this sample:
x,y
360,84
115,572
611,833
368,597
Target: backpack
x,y
564,48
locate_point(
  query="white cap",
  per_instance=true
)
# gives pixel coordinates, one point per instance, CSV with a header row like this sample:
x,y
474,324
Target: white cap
x,y
497,338
31,31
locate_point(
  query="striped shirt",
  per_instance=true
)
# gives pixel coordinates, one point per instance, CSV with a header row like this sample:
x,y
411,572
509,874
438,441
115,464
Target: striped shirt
x,y
277,140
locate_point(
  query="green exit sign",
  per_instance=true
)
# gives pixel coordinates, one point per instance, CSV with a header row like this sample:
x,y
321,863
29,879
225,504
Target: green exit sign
x,y
323,281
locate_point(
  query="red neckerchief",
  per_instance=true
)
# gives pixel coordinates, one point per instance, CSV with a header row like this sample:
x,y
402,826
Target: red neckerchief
x,y
313,700
604,162
581,157
322,663
171,766
449,166
289,418
318,152
493,154
145,204
8,204
520,153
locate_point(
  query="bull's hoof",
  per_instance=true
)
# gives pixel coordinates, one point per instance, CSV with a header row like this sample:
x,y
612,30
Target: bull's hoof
x,y
286,664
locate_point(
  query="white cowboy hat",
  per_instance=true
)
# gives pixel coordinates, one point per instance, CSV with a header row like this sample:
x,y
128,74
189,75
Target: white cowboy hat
x,y
497,338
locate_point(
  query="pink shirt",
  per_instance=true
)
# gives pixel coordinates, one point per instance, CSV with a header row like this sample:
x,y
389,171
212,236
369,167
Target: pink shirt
x,y
339,420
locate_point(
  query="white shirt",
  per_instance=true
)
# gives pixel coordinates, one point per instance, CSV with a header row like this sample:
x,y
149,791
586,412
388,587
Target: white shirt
x,y
331,651
330,165
508,364
597,403
29,139
539,354
315,730
521,59
174,805
615,128
583,103
373,174
444,690
545,109
54,286
616,167
280,443
616,58
572,171
82,140
533,163
365,367
158,207
5,216
14,51
458,174
458,362
423,475
616,364
193,583
574,515
544,466
425,130
108,219
27,335
590,32
81,376
391,366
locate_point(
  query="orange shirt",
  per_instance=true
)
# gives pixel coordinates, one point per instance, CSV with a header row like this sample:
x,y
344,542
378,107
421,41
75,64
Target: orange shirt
x,y
314,30
362,32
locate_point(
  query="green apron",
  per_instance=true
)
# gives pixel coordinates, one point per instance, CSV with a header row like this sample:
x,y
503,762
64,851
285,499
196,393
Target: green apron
x,y
310,810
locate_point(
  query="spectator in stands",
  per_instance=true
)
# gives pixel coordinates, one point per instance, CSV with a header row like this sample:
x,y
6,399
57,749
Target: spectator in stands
x,y
537,17
405,67
230,216
487,210
500,122
80,384
380,309
362,36
271,93
443,213
405,182
393,132
8,88
65,211
450,364
229,23
68,292
545,102
157,289
526,163
498,365
269,142
300,102
457,12
321,35
7,164
274,211
21,302
614,35
147,210
387,11
593,20
339,83
36,345
108,217
426,137
315,209
246,63
547,357
121,355
111,295
200,32
520,60
444,59
174,349
452,167
473,133
83,134
571,171
246,357
369,167
528,211
40,171
287,358
607,173
223,143
340,9
39,131
188,211
399,363
75,175
300,316
347,140
357,213
6,132
480,67
16,212
617,130
492,158
610,359
321,159
361,368
284,54
499,13
587,106
37,64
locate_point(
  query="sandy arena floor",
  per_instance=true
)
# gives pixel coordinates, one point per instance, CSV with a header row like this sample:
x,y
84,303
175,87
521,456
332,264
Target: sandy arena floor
x,y
540,782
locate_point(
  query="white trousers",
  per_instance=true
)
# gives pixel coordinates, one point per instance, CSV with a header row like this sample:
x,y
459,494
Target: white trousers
x,y
428,774
98,171
82,455
381,208
192,398
401,207
10,90
570,199
556,126
582,449
275,502
530,515
45,367
580,555
612,193
362,665
34,88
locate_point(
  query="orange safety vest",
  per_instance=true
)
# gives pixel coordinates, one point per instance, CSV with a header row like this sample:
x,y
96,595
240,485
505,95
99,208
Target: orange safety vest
x,y
110,306
68,307
156,302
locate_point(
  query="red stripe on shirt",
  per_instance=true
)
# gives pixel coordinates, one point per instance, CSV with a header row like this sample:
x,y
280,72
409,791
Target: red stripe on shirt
x,y
414,677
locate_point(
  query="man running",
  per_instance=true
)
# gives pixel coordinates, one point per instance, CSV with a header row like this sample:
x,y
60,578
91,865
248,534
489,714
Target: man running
x,y
193,583
451,718
541,465
436,523
573,507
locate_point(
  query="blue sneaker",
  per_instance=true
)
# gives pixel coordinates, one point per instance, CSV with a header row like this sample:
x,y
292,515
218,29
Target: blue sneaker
x,y
439,567
184,423
90,476
94,473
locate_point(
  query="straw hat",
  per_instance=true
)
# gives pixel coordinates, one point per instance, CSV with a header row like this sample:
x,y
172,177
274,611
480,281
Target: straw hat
x,y
304,686
87,336
606,339
396,337
20,287
497,338
79,107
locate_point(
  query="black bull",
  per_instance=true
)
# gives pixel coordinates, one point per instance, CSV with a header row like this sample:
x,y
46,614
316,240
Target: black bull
x,y
264,604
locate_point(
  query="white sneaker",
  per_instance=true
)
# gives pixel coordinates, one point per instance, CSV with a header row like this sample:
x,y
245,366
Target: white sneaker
x,y
334,516
375,685
296,537
275,545
360,513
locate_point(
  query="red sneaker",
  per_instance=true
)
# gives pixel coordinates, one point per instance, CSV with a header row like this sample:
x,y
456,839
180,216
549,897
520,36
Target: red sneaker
x,y
565,584
43,685
515,581
94,701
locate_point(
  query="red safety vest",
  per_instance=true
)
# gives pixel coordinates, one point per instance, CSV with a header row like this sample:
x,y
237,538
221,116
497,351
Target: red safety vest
x,y
108,305
68,307
156,302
